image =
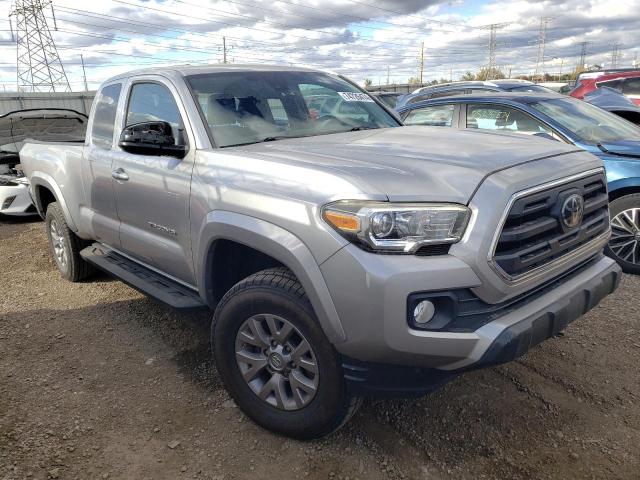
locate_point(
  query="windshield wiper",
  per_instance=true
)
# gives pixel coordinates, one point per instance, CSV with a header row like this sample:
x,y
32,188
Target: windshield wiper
x,y
357,129
272,138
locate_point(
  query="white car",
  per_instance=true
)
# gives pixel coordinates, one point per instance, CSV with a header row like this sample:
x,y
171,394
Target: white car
x,y
50,124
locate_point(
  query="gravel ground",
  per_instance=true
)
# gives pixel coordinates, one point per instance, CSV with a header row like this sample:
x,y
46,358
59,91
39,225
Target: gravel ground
x,y
97,381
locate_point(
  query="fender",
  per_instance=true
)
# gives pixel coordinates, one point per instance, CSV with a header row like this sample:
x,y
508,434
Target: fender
x,y
624,183
42,179
279,244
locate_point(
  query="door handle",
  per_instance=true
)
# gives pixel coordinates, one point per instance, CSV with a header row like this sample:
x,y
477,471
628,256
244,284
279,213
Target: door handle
x,y
120,174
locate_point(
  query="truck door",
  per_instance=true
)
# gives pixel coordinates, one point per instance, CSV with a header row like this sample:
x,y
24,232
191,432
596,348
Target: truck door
x,y
98,216
152,190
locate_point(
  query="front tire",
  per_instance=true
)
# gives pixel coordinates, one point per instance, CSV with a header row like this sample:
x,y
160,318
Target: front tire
x,y
275,360
65,246
624,245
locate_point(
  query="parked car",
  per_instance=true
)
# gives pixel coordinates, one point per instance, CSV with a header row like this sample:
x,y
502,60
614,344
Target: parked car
x,y
558,87
51,124
614,101
562,118
462,88
390,99
343,255
625,80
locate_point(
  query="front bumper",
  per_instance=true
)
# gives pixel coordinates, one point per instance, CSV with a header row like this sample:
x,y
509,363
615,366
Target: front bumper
x,y
370,293
15,200
499,341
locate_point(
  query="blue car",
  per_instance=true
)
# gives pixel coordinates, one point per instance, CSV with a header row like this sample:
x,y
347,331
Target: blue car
x,y
565,119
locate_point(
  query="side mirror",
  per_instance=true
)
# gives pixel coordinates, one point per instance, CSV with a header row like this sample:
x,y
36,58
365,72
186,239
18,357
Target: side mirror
x,y
151,138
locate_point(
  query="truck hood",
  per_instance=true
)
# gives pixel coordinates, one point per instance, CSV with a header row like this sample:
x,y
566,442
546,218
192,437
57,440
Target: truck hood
x,y
413,162
46,125
627,148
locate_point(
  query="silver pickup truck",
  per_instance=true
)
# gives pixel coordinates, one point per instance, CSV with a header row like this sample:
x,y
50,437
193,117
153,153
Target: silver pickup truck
x,y
343,254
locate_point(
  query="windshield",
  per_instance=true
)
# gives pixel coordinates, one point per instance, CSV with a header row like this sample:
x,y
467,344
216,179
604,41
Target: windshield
x,y
249,107
590,124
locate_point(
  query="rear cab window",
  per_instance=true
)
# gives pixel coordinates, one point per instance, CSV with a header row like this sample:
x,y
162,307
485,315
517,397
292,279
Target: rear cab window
x,y
104,116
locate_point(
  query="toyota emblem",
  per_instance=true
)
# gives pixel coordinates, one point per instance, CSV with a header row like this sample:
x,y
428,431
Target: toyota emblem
x,y
572,211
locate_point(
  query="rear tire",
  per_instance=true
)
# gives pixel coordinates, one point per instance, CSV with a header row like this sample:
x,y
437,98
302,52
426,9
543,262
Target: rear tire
x,y
65,246
266,318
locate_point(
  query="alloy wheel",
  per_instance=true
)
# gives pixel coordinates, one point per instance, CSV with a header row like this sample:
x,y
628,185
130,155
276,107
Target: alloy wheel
x,y
625,236
57,241
277,362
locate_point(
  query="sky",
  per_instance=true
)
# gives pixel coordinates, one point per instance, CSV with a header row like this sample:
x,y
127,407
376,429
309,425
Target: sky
x,y
378,40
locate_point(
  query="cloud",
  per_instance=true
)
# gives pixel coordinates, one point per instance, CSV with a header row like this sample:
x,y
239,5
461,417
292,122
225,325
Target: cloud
x,y
359,38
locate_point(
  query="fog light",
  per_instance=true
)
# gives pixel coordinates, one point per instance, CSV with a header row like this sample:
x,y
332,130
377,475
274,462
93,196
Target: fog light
x,y
8,201
424,312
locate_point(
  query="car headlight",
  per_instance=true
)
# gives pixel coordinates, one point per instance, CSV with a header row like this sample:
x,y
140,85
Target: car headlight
x,y
397,227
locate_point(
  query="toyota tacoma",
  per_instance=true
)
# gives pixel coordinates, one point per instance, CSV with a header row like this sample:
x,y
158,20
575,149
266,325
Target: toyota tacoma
x,y
341,253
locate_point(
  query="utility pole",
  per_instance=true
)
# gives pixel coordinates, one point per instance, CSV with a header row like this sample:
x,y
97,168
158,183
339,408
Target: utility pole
x,y
493,30
39,68
387,74
421,62
84,74
542,40
224,49
615,55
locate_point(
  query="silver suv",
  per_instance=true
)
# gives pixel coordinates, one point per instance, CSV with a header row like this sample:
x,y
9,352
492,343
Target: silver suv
x,y
342,254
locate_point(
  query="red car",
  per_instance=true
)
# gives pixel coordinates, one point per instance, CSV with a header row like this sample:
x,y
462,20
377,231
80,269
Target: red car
x,y
625,80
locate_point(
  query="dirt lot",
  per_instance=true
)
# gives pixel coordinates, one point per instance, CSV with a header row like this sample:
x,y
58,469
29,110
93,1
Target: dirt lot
x,y
97,381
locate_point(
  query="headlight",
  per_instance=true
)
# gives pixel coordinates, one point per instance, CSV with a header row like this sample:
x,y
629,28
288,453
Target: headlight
x,y
397,227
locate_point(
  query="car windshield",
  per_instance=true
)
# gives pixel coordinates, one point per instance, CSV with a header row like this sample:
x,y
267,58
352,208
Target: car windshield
x,y
590,124
250,107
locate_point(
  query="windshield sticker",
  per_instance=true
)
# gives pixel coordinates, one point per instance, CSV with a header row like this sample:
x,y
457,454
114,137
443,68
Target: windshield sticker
x,y
356,97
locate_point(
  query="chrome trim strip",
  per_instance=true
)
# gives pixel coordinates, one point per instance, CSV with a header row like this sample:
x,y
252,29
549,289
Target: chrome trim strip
x,y
512,280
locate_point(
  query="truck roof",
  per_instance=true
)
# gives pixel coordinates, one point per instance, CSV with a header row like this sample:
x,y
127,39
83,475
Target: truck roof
x,y
191,69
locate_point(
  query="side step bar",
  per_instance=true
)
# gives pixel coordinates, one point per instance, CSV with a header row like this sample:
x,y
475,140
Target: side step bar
x,y
143,279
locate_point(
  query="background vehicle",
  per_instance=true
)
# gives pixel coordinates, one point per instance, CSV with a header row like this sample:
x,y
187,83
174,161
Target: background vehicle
x,y
15,127
473,87
614,101
558,87
625,80
390,99
614,140
340,256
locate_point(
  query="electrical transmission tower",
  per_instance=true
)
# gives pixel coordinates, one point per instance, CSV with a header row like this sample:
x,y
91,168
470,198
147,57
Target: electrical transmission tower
x,y
542,40
39,68
615,55
583,57
493,30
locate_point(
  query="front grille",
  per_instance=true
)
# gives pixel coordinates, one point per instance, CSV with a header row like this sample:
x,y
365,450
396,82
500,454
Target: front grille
x,y
534,235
